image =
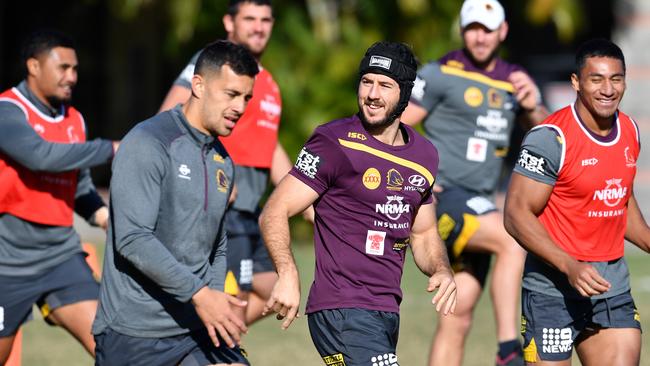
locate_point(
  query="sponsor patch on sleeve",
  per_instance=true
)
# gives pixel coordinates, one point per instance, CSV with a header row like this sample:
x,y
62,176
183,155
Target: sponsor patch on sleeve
x,y
532,162
308,163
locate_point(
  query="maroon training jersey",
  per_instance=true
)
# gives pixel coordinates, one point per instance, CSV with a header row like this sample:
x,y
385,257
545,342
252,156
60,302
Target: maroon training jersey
x,y
369,195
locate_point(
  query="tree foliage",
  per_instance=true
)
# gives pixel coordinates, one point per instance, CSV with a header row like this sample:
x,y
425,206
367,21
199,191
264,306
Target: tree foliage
x,y
317,44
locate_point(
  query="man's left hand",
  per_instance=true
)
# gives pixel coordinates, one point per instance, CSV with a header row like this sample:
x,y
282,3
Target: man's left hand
x,y
526,91
285,298
445,298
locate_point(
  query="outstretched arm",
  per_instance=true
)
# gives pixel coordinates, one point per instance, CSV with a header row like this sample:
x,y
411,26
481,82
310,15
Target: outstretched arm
x,y
637,232
525,200
21,143
290,197
87,203
430,256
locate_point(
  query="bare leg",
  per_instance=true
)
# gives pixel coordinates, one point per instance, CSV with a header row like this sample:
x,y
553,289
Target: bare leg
x,y
452,330
505,287
5,348
610,347
550,363
77,319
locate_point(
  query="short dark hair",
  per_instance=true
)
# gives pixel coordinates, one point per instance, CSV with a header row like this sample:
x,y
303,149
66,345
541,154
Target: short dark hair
x,y
598,47
233,5
42,41
222,52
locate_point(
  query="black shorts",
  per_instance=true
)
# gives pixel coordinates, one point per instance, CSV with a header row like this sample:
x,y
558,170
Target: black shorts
x,y
550,325
191,349
355,337
458,210
246,254
67,283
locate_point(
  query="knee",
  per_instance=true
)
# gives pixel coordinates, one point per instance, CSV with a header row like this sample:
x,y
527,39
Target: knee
x,y
457,324
508,247
465,322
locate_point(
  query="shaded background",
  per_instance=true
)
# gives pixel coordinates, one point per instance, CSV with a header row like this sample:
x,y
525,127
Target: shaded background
x,y
131,50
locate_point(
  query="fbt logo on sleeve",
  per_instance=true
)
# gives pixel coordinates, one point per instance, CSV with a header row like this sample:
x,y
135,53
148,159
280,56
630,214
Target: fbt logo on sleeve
x,y
556,340
531,162
2,318
308,163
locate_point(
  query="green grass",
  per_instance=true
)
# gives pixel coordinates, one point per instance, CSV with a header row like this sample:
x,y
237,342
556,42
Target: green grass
x,y
268,345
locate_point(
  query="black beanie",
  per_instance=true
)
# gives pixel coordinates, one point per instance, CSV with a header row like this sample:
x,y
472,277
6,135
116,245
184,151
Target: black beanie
x,y
395,60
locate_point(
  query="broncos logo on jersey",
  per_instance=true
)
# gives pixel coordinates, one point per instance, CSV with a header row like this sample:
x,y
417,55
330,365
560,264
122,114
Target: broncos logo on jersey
x,y
394,180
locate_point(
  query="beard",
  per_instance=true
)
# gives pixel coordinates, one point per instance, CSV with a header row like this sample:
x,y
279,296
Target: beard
x,y
378,126
481,64
56,101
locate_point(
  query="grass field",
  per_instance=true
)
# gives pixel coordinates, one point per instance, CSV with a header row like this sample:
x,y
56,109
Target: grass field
x,y
268,345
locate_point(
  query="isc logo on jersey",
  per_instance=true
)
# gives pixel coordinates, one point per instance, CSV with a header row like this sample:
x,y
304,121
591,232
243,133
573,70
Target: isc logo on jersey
x,y
371,178
612,194
393,208
308,163
357,135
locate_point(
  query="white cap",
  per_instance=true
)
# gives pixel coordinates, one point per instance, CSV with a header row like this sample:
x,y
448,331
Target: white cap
x,y
487,12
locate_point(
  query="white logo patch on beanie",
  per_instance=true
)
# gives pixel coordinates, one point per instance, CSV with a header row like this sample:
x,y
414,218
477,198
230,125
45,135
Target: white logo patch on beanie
x,y
380,61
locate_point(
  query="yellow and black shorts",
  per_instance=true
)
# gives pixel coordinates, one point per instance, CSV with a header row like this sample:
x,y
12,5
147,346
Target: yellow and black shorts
x,y
458,210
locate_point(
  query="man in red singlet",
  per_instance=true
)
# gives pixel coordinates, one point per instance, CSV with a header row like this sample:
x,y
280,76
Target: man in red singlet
x,y
571,205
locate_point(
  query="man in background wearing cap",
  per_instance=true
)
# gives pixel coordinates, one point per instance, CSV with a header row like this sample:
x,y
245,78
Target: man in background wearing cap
x,y
369,178
469,100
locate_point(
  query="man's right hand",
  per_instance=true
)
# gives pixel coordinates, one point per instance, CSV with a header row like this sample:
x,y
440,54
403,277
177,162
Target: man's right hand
x,y
285,299
584,278
214,309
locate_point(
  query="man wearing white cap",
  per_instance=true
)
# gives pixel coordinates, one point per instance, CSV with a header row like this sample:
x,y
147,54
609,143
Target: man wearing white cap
x,y
468,101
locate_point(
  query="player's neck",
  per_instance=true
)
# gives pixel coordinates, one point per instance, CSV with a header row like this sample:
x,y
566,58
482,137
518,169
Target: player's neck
x,y
193,116
599,125
390,135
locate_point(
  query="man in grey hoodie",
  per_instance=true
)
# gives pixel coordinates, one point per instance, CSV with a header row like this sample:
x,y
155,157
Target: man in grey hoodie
x,y
161,297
